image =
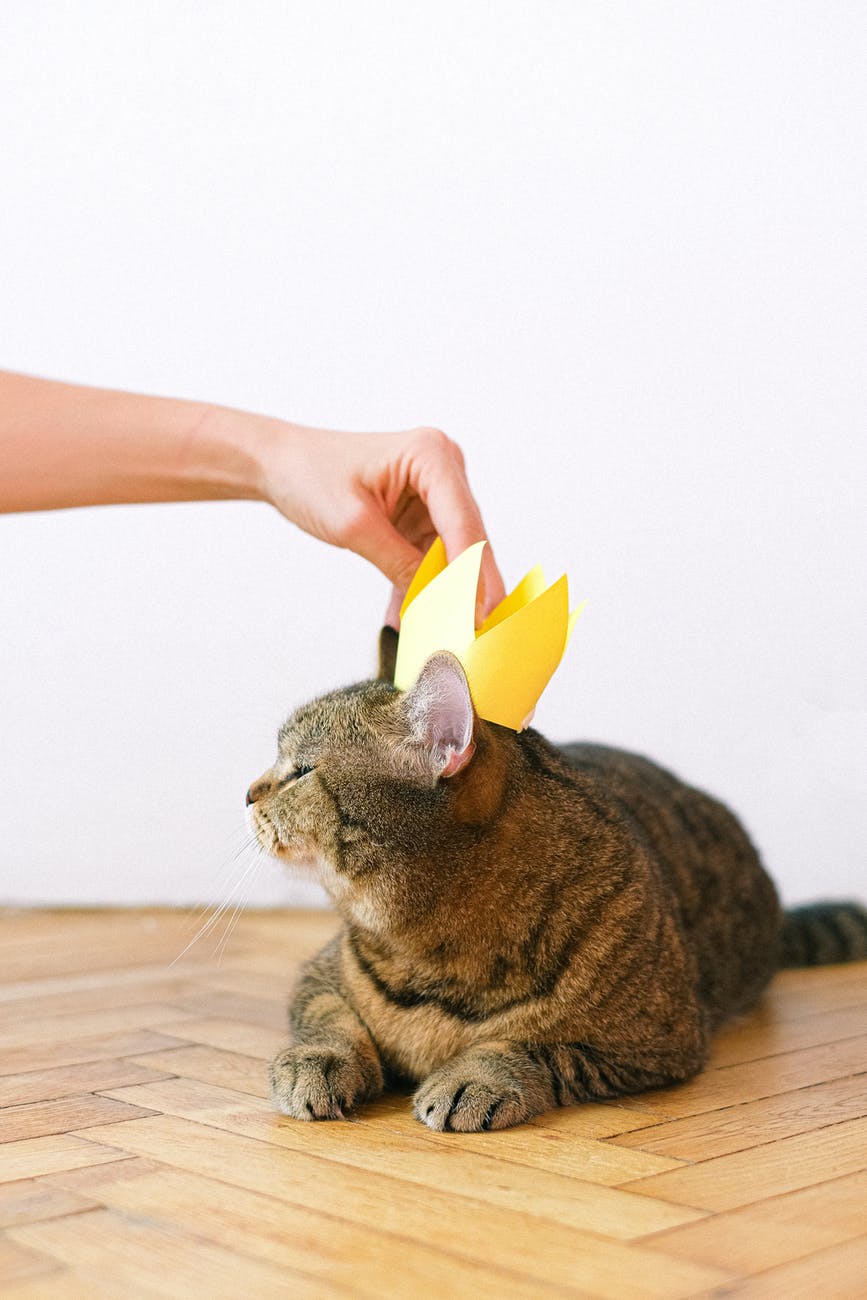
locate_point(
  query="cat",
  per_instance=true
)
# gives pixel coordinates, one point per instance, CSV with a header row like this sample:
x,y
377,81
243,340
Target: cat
x,y
524,926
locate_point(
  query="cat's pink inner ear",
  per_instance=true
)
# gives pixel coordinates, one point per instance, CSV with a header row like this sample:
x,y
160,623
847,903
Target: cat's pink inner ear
x,y
459,760
441,712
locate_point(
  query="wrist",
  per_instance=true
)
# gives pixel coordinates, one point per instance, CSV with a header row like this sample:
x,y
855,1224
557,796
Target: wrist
x,y
224,453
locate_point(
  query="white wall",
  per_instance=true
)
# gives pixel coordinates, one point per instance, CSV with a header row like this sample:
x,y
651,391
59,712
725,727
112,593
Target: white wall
x,y
617,250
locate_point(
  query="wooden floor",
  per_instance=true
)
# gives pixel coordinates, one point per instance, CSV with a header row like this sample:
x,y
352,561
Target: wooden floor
x,y
139,1157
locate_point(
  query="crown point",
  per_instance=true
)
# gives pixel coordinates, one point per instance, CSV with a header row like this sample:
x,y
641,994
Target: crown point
x,y
509,661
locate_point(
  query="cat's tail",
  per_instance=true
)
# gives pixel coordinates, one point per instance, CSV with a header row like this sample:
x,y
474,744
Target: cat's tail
x,y
819,934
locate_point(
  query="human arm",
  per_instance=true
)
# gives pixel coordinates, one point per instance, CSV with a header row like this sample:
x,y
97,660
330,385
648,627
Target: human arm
x,y
383,495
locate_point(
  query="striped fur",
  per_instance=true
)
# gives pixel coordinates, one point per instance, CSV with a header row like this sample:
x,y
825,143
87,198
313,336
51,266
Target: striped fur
x,y
544,927
820,934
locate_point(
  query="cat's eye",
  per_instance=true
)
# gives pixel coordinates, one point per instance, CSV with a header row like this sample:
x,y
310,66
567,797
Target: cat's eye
x,y
293,776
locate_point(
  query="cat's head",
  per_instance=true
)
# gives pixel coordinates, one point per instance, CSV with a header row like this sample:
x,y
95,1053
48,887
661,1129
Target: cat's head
x,y
369,780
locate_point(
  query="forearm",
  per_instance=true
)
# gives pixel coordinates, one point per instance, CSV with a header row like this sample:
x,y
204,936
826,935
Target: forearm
x,y
383,495
63,445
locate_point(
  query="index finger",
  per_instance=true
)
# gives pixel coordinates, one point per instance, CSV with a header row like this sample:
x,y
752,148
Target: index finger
x,y
443,486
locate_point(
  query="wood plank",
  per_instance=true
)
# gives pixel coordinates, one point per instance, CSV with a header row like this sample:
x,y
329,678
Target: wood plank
x,y
739,1178
730,1085
589,1119
524,1239
232,1036
284,934
760,1236
536,1148
34,1198
763,1036
275,968
77,1051
350,1147
103,997
119,977
748,1180
20,1263
797,993
248,1074
252,983
716,1132
209,1065
322,1247
66,1080
837,1273
47,1155
158,1259
268,1012
49,944
592,1119
73,1026
77,1112
564,1140
64,1284
834,976
91,1179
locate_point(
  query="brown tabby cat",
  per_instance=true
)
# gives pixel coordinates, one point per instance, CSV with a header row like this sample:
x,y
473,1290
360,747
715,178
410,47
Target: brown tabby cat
x,y
524,926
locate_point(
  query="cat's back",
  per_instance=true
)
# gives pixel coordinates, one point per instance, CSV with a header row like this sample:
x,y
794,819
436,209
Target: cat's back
x,y
675,817
727,904
620,767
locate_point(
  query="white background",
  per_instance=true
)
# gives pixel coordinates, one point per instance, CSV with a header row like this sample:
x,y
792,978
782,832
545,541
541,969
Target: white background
x,y
616,250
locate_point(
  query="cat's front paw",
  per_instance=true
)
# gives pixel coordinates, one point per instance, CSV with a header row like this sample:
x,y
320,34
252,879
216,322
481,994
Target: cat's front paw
x,y
319,1082
471,1094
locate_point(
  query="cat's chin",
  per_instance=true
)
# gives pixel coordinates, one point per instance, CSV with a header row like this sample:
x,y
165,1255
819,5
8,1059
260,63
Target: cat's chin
x,y
300,857
299,863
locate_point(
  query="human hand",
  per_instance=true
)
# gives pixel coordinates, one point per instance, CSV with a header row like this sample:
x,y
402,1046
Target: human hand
x,y
385,496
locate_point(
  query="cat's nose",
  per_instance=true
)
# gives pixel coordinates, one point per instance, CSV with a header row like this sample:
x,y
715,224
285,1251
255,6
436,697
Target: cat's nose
x,y
257,789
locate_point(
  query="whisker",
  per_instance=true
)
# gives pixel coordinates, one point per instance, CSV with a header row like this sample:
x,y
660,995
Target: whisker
x,y
240,906
249,878
215,917
226,872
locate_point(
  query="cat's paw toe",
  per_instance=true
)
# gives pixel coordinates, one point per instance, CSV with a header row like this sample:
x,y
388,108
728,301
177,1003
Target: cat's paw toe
x,y
468,1106
315,1083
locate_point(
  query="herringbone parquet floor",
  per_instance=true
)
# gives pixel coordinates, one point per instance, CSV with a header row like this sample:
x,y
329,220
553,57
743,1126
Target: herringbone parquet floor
x,y
139,1156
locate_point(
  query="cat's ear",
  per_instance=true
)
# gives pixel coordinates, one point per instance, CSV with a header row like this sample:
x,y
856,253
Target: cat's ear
x,y
440,712
387,654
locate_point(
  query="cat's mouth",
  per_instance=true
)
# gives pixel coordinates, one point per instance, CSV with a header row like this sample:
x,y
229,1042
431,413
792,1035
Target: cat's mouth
x,y
270,840
265,832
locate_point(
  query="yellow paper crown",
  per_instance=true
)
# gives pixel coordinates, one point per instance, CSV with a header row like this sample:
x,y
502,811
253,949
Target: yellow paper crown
x,y
510,659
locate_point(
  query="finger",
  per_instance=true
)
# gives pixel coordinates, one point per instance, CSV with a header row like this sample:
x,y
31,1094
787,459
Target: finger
x,y
457,519
392,613
491,588
442,485
375,538
412,521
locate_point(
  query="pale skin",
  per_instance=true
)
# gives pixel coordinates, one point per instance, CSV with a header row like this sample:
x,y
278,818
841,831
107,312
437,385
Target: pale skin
x,y
384,496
